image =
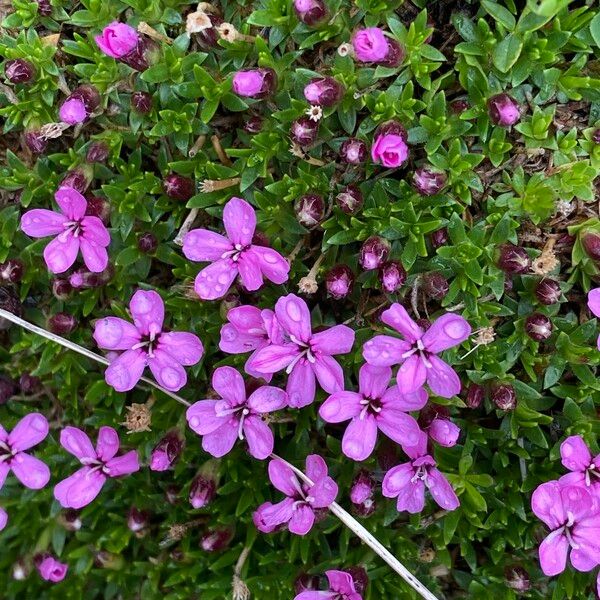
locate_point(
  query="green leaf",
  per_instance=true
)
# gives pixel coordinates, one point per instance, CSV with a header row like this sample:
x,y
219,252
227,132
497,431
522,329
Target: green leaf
x,y
500,14
507,52
595,29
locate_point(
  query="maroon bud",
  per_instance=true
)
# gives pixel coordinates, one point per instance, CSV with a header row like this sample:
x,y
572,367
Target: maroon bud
x,y
339,281
324,91
360,578
79,179
166,452
8,389
391,276
395,55
513,259
62,323
353,151
9,301
310,12
179,187
216,539
98,207
143,55
459,106
71,520
305,583
538,327
137,519
44,8
475,395
504,396
29,384
596,136
61,289
304,131
429,181
253,124
503,110
20,570
439,238
12,270
350,199
36,143
435,285
141,102
209,38
19,70
392,128
362,488
260,239
147,243
172,494
97,152
548,291
373,253
591,244
89,95
517,578
310,210
202,491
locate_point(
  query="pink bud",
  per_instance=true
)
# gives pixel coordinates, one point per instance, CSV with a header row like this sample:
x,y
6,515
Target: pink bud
x,y
304,131
73,111
117,39
389,148
350,199
444,432
362,488
504,397
166,452
216,539
310,12
12,270
548,291
370,45
391,276
339,281
353,151
202,491
538,327
429,181
310,210
513,259
324,91
503,110
373,253
254,83
50,568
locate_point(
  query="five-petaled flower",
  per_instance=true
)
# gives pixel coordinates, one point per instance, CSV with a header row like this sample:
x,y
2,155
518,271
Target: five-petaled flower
x,y
407,481
74,231
341,587
233,255
417,353
28,432
297,510
304,354
84,485
146,344
221,422
374,407
585,469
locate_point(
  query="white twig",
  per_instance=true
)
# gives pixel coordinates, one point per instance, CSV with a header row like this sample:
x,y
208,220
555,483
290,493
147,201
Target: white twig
x,y
77,348
187,225
349,521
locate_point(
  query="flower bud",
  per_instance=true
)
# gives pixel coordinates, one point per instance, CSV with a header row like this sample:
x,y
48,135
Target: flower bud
x,y
179,187
429,181
36,143
306,583
596,136
370,45
8,389
513,259
517,578
20,570
459,106
359,577
503,110
395,55
208,37
137,519
353,151
373,253
391,276
435,285
310,12
475,395
254,83
324,91
304,131
98,207
89,95
44,8
260,238
61,289
29,384
548,291
70,520
362,487
19,70
9,301
166,452
202,491
79,179
504,396
216,539
172,494
443,431
11,271
310,210
147,243
538,327
439,238
350,199
97,152
50,568
62,323
230,301
591,244
141,102
253,124
339,281
108,560
72,111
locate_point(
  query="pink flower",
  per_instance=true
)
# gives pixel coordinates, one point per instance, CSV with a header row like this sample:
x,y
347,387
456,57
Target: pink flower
x,y
407,481
594,305
145,344
117,39
303,354
503,110
233,255
84,485
28,432
74,231
417,353
221,422
297,510
341,587
572,514
389,149
51,569
3,518
374,407
370,45
166,452
73,111
576,457
254,83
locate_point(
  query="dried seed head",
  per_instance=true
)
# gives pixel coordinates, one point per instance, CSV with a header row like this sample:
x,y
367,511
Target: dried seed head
x,y
139,417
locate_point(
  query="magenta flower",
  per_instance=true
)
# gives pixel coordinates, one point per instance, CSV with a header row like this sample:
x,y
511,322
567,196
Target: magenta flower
x,y
221,422
417,353
146,344
3,518
297,510
407,481
370,45
74,231
444,432
84,485
374,407
72,111
117,39
28,432
594,305
573,515
576,456
254,83
389,149
233,255
341,587
303,354
52,569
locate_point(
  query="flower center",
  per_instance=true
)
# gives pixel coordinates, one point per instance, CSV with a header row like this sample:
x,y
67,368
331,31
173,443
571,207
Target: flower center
x,y
235,253
149,343
370,405
420,474
419,348
5,452
73,227
305,352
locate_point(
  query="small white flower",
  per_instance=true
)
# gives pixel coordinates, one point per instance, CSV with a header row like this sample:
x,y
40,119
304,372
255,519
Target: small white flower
x,y
315,112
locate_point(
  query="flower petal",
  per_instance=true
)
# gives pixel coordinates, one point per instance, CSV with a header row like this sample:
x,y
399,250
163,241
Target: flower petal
x,y
282,477
30,471
28,432
247,319
593,296
123,465
274,357
94,255
215,280
268,516
293,315
3,519
61,252
384,350
4,471
547,505
259,437
329,373
71,202
411,374
239,219
441,490
186,348
553,553
125,371
107,444
229,384
316,467
148,311
221,441
575,454
340,581
95,231
396,479
235,341
324,492
249,271
273,266
167,371
79,489
373,381
442,378
267,399
338,339
341,406
398,426
446,332
301,384
202,418
302,520
76,442
397,318
202,245
39,223
360,438
398,482
407,402
112,333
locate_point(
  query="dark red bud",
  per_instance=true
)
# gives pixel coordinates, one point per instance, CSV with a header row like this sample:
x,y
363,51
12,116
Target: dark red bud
x,y
373,253
29,384
12,270
391,276
166,452
513,259
591,244
548,291
360,578
310,210
596,136
439,238
202,491
350,199
141,102
305,583
517,578
137,519
459,106
304,131
538,327
435,285
395,55
78,179
429,181
61,289
97,152
179,187
310,12
19,70
354,151
8,388
339,281
9,301
89,95
62,323
209,38
44,8
172,494
36,143
504,396
147,243
216,539
253,124
475,395
392,128
98,207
